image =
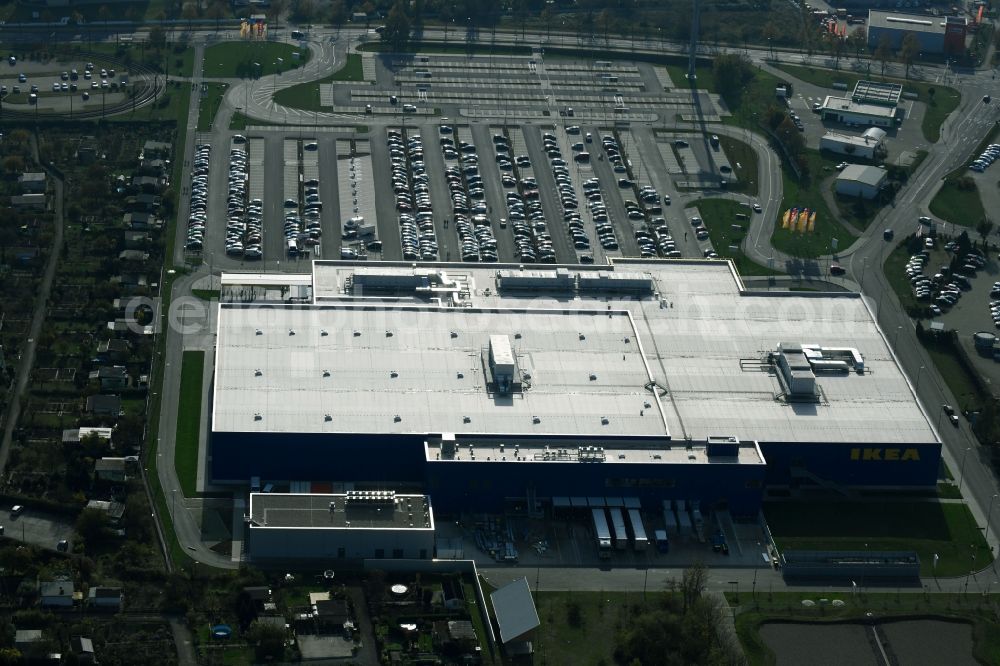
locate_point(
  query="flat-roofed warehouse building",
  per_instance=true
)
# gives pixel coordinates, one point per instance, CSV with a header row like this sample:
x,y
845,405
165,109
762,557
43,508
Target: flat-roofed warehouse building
x,y
658,380
936,34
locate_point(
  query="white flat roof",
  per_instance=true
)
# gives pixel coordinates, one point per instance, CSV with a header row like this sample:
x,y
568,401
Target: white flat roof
x,y
422,370
867,174
846,105
699,337
852,139
266,279
336,511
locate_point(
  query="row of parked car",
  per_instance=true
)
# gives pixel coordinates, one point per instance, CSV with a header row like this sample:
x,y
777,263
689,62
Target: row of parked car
x,y
303,227
532,241
245,220
567,195
945,287
410,184
468,195
599,213
198,215
989,156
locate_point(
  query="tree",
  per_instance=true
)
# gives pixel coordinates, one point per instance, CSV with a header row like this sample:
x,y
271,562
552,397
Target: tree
x,y
883,52
91,524
268,641
190,12
858,39
218,10
547,17
157,37
984,227
605,20
14,164
837,46
909,50
10,656
693,583
397,27
732,74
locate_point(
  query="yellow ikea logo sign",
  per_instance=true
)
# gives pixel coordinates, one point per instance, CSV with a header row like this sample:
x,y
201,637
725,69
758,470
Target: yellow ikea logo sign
x,y
885,454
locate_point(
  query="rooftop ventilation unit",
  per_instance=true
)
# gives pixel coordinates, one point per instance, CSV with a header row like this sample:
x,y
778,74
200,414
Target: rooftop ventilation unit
x,y
501,366
558,280
371,498
795,371
616,282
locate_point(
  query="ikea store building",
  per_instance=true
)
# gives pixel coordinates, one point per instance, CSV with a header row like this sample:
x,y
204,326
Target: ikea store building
x,y
483,387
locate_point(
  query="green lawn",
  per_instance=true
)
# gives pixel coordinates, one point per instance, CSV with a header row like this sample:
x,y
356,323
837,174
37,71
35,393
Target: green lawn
x,y
727,232
948,491
806,194
585,638
857,212
940,103
246,59
962,386
189,421
895,274
306,95
928,527
209,103
171,105
740,152
956,205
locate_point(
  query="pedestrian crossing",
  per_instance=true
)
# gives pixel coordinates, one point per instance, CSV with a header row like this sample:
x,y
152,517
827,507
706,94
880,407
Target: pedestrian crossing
x,y
368,67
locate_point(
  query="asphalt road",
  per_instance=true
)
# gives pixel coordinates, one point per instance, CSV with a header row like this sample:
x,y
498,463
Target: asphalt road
x,y
185,526
329,193
385,199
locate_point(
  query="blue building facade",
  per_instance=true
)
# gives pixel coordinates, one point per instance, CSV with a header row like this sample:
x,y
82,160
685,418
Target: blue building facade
x,y
875,465
488,485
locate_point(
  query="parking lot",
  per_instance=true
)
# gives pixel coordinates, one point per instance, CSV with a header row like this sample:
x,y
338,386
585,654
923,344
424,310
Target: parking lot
x,y
37,528
62,85
440,191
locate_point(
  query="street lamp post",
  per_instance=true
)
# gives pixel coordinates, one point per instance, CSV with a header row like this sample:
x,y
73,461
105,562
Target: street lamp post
x,y
988,513
961,472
